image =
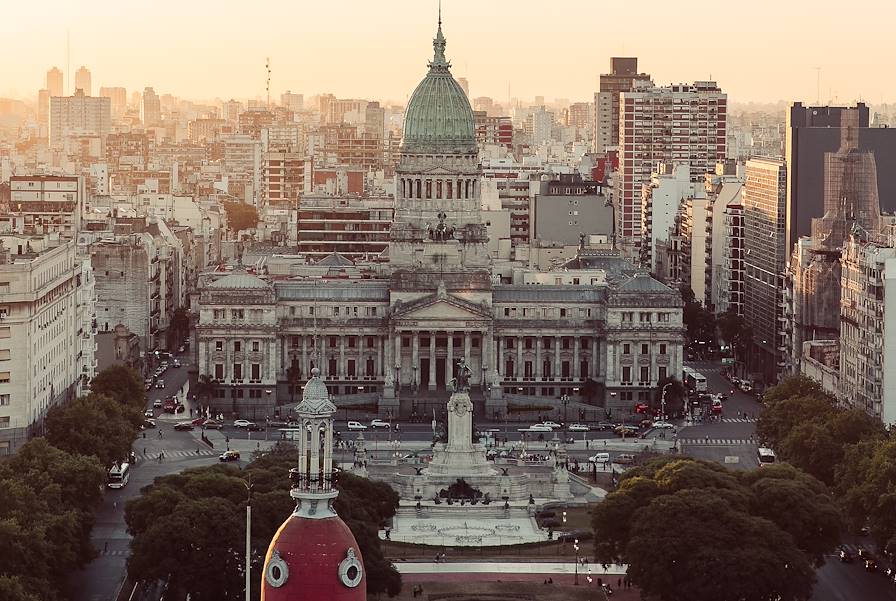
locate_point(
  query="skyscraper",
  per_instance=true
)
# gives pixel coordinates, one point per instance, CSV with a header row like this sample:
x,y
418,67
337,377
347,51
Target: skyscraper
x,y
764,201
150,108
682,123
78,113
54,82
118,97
82,81
624,72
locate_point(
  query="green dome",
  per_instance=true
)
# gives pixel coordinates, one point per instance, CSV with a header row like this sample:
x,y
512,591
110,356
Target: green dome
x,y
439,118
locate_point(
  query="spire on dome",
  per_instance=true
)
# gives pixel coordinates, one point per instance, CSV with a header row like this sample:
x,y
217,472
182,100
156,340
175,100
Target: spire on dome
x,y
438,45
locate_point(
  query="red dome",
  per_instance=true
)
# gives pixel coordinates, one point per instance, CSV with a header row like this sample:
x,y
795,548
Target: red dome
x,y
313,560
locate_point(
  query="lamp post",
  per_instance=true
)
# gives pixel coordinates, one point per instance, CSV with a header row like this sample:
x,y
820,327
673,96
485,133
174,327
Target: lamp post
x,y
575,545
565,400
248,485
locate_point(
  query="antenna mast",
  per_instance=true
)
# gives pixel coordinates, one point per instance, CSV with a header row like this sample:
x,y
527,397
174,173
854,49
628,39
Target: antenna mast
x,y
267,86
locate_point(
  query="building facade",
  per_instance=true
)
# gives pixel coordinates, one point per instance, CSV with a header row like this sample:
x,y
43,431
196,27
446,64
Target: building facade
x,y
78,114
623,74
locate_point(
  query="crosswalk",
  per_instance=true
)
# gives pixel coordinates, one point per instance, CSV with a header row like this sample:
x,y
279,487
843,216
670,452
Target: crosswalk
x,y
717,442
176,455
739,420
115,553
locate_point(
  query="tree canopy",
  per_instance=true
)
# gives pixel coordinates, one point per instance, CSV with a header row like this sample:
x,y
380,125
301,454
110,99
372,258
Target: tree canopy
x,y
209,505
47,499
121,383
240,216
680,523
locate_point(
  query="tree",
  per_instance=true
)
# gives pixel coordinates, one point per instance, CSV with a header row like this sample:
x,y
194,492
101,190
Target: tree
x,y
12,588
741,524
205,387
734,330
675,396
240,216
865,482
778,420
94,425
699,321
121,383
179,328
790,387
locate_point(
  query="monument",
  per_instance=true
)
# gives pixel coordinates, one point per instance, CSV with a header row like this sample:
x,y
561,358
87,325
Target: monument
x,y
460,457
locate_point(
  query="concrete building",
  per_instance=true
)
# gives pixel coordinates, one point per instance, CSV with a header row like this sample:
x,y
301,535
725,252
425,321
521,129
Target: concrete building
x,y
728,245
42,333
392,333
764,198
83,81
150,108
292,102
354,228
118,97
285,177
496,131
566,208
55,85
623,74
661,199
44,204
684,124
78,114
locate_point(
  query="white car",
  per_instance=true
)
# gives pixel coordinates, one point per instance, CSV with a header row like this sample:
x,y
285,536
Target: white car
x,y
663,425
354,426
600,458
149,413
552,425
746,386
537,428
379,423
241,423
578,428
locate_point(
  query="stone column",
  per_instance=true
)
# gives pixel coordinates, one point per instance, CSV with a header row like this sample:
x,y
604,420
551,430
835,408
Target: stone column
x,y
520,342
341,367
485,350
304,364
388,361
432,360
415,359
599,363
449,366
575,373
557,347
396,358
467,348
538,363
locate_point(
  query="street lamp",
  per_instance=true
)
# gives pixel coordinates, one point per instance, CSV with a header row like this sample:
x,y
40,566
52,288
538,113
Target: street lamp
x,y
575,545
248,485
565,400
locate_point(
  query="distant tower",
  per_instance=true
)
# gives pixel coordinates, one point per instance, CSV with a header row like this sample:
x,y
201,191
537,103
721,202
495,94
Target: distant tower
x,y
150,108
54,82
314,555
82,81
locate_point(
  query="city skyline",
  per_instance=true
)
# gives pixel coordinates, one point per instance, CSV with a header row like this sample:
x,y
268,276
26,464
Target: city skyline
x,y
333,48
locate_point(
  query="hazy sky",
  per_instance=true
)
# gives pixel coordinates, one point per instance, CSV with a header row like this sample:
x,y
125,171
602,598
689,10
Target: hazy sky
x,y
760,50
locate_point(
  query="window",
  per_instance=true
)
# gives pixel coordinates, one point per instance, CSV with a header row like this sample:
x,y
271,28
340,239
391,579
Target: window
x,y
219,313
237,314
662,349
562,312
506,311
626,375
4,399
585,343
662,372
645,348
626,349
332,341
4,422
237,346
255,346
351,342
405,342
370,342
645,374
219,371
4,355
335,311
644,317
662,317
5,332
219,345
237,371
546,343
255,371
628,316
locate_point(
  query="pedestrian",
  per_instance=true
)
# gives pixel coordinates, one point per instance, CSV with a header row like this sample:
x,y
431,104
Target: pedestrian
x,y
619,583
160,433
114,504
160,458
106,547
144,450
144,435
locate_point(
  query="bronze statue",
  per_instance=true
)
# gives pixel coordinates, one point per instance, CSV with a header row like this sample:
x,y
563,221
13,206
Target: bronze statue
x,y
461,383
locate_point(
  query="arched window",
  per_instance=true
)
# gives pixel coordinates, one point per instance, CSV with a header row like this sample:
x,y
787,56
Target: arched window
x,y
428,189
450,185
419,194
439,188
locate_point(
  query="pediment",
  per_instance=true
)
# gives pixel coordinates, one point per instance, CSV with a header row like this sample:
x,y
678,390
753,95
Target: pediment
x,y
442,308
438,171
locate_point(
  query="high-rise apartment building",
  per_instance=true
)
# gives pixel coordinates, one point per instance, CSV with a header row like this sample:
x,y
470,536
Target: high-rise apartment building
x,y
231,110
496,131
581,115
284,177
118,97
78,114
46,204
41,332
623,74
83,82
683,123
150,108
292,102
764,200
54,82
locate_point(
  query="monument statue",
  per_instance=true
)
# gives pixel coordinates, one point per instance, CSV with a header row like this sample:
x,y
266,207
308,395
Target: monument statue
x,y
461,383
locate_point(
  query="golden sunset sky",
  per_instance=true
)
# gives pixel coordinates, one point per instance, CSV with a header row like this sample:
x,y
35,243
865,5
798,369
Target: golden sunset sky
x,y
762,50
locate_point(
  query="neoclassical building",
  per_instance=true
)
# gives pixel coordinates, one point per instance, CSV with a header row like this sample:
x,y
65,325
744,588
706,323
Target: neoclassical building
x,y
601,331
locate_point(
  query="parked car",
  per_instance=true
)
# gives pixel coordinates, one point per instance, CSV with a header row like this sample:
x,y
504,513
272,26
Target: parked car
x,y
253,427
377,424
198,421
241,423
229,456
625,458
626,429
606,426
183,426
356,426
148,423
746,386
149,413
663,425
212,424
157,403
599,458
537,428
578,428
552,425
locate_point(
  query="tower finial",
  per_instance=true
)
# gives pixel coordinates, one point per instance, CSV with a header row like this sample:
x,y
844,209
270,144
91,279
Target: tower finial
x,y
440,14
438,45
